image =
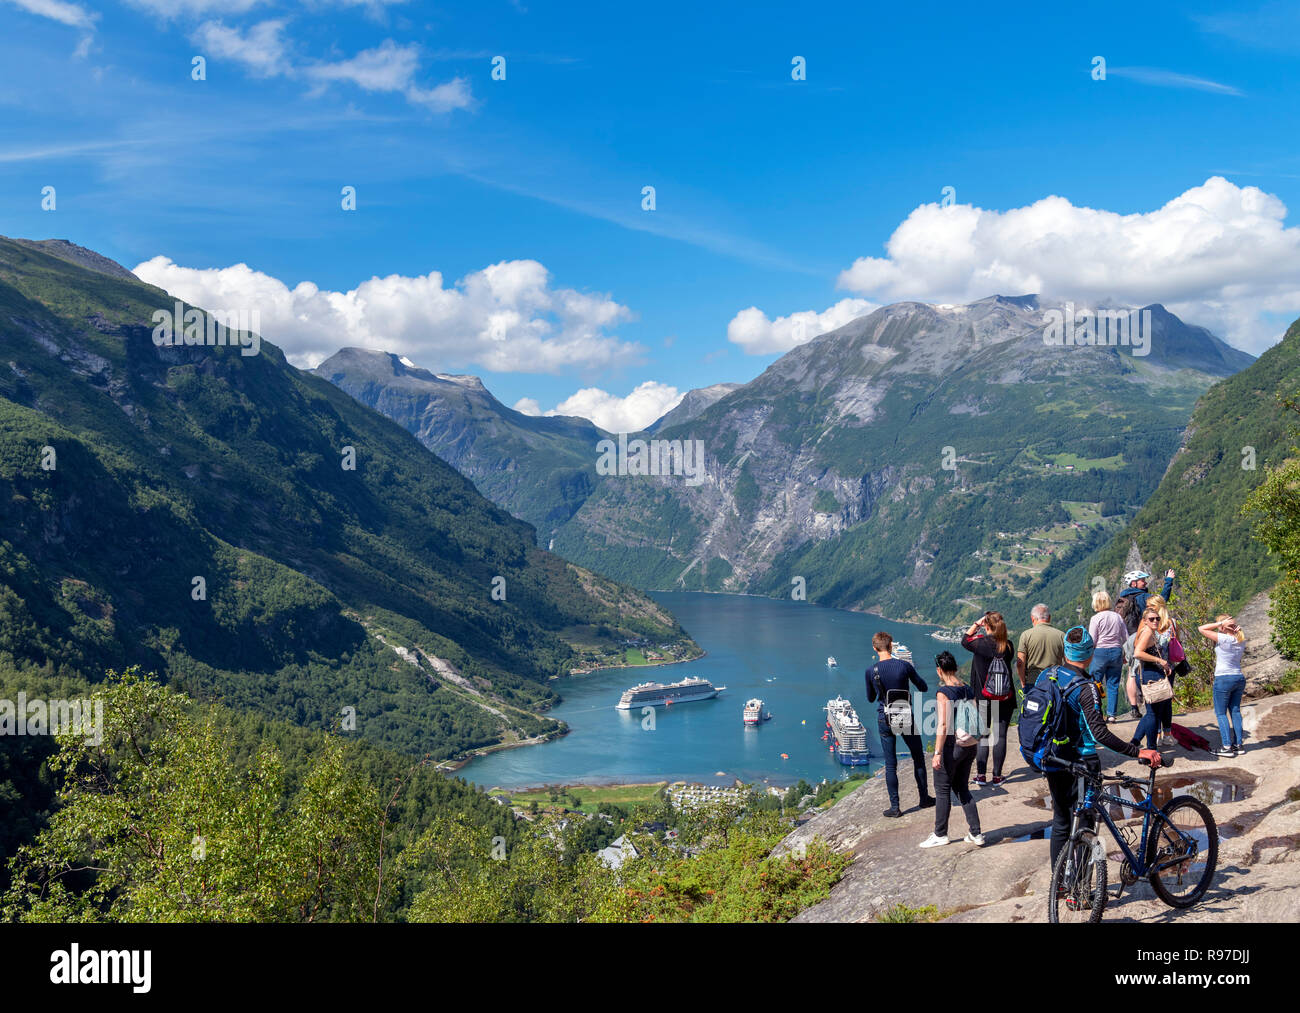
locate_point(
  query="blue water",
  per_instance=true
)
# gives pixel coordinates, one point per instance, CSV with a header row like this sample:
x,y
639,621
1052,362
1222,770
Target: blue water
x,y
760,647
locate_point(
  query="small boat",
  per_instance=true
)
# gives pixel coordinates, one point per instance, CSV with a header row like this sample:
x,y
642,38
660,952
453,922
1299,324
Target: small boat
x,y
785,756
831,662
755,713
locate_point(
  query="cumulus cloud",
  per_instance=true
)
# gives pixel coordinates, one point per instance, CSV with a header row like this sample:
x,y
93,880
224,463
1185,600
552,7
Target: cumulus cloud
x,y
261,49
507,317
392,68
1218,255
757,335
614,414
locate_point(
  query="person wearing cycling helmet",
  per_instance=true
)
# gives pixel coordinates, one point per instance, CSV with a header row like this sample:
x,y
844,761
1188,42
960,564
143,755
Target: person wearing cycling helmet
x,y
1135,587
1086,729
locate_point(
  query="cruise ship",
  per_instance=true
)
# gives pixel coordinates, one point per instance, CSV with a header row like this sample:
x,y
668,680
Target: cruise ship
x,y
755,713
847,731
902,653
656,694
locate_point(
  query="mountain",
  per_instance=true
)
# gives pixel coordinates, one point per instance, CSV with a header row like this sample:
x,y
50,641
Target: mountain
x,y
261,537
1237,432
540,468
690,406
919,461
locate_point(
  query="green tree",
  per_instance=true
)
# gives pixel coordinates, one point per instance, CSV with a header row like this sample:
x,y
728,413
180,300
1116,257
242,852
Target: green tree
x,y
1197,600
1275,505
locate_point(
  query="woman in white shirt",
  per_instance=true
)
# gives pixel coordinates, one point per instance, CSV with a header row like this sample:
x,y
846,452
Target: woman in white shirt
x,y
1108,632
1229,646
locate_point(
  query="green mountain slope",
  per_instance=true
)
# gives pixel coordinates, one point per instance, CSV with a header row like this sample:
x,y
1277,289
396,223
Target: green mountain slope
x,y
1195,510
326,588
920,461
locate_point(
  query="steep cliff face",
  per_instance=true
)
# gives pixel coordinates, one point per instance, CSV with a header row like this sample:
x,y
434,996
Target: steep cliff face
x,y
843,461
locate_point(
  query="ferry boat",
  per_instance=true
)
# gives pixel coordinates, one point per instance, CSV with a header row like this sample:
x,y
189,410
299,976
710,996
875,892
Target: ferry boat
x,y
656,694
831,662
755,713
850,738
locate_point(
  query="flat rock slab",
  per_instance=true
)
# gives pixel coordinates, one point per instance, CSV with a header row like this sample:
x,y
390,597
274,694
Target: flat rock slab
x,y
1006,880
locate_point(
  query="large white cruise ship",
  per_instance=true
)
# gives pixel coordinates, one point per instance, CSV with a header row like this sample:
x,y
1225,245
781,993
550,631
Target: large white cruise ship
x,y
655,694
849,737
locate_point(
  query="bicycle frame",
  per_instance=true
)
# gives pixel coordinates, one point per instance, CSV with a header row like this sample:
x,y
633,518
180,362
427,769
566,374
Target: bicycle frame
x,y
1095,799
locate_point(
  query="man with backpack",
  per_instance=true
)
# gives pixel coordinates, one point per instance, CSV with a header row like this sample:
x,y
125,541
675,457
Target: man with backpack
x,y
1061,722
1132,601
887,682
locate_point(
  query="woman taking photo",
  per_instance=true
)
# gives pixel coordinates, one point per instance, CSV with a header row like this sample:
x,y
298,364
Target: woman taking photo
x,y
987,640
1155,685
1229,646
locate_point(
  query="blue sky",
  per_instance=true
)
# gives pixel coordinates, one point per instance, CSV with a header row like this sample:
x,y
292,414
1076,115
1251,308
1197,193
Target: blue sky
x,y
770,193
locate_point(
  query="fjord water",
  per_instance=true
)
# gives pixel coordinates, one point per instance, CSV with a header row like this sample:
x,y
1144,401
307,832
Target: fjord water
x,y
761,647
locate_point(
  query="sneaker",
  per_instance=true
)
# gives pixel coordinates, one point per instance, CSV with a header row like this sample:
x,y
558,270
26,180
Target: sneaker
x,y
1225,751
981,780
927,802
934,841
1167,740
1237,751
997,779
975,839
892,811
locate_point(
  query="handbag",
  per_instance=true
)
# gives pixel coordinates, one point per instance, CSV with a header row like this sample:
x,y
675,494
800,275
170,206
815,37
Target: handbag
x,y
1176,652
1158,690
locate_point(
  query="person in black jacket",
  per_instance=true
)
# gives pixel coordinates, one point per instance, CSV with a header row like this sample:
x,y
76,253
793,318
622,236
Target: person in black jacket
x,y
987,639
887,677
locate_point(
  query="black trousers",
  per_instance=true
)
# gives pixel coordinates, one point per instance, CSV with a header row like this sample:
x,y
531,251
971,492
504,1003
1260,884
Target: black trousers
x,y
1066,790
954,779
889,746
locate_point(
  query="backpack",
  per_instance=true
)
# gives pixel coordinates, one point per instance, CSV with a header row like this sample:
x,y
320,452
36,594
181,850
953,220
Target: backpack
x,y
969,724
997,683
1126,606
898,711
1044,722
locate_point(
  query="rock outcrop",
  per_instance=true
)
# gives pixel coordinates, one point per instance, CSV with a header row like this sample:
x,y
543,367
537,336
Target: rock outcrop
x,y
1255,799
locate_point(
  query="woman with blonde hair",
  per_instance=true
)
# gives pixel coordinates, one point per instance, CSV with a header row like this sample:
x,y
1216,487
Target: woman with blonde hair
x,y
1168,633
1108,632
1229,684
988,640
1156,672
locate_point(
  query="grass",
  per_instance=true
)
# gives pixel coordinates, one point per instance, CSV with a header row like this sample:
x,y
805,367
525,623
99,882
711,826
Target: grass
x,y
633,656
590,796
1082,463
902,914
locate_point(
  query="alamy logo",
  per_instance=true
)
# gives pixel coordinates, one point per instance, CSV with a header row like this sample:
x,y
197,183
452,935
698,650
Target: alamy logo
x,y
652,457
180,326
53,717
75,966
1115,328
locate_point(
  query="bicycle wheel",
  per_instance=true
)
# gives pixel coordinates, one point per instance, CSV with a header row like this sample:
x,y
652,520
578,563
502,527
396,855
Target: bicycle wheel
x,y
1078,890
1182,883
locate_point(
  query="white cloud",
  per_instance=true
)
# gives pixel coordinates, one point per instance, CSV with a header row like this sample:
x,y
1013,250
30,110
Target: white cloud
x,y
70,14
194,8
392,68
507,317
261,48
757,335
614,414
1172,79
1218,255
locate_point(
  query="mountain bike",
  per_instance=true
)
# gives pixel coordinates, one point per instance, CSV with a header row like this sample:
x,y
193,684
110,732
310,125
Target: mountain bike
x,y
1178,853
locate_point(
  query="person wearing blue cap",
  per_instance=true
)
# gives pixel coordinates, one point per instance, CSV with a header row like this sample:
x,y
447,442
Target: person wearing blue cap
x,y
1086,730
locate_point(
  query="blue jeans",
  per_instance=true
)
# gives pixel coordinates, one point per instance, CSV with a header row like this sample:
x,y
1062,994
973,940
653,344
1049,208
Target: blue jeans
x,y
1227,705
1108,666
1158,716
889,746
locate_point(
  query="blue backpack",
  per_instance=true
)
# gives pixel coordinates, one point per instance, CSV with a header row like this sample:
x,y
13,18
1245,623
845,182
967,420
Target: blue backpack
x,y
1045,725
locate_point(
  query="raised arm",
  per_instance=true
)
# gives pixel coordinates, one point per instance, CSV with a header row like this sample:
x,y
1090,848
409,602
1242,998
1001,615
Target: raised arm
x,y
1210,631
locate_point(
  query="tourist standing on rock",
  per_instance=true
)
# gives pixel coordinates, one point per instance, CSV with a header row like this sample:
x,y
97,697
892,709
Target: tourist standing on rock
x,y
887,678
1229,683
955,743
1040,646
1169,634
987,640
1108,633
1086,730
1156,672
1135,582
